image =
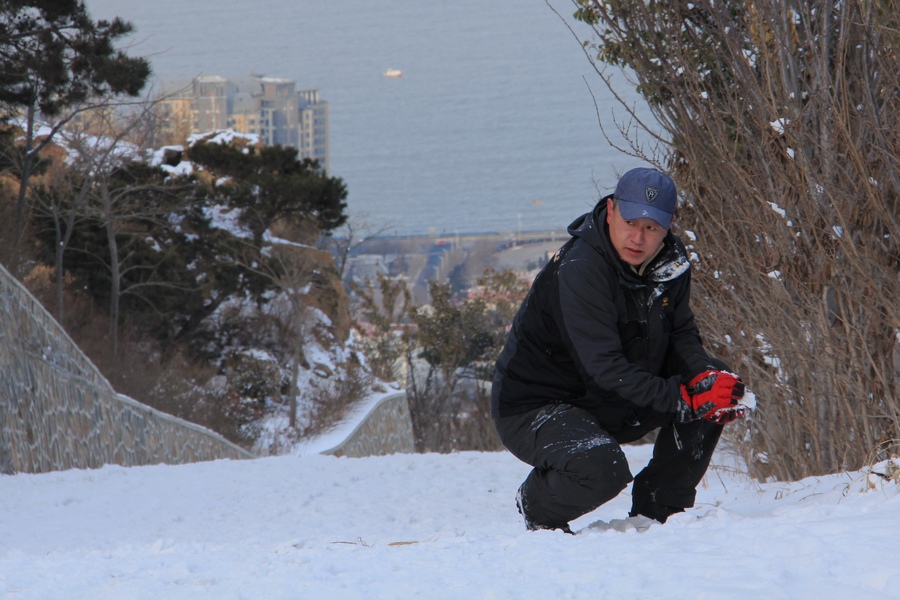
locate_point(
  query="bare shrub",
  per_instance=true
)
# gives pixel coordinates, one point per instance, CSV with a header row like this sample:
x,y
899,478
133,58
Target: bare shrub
x,y
779,121
8,233
459,341
381,315
457,421
231,400
331,396
450,358
443,352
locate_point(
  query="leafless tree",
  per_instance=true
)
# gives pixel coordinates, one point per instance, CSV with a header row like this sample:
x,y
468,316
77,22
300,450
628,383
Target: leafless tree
x,y
98,150
354,233
780,121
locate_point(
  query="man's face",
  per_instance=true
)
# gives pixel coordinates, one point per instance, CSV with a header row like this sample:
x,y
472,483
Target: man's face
x,y
635,241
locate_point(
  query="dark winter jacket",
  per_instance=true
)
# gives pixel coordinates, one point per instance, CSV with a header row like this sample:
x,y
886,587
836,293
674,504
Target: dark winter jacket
x,y
595,334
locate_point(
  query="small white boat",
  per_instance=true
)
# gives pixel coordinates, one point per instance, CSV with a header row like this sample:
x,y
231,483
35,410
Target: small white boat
x,y
393,73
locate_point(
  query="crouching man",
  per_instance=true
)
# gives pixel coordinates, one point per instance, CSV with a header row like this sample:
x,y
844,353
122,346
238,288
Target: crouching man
x,y
603,350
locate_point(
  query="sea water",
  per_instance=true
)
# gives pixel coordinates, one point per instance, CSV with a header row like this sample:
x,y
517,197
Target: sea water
x,y
494,126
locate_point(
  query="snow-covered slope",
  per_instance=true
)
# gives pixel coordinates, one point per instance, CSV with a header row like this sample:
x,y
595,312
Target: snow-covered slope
x,y
430,526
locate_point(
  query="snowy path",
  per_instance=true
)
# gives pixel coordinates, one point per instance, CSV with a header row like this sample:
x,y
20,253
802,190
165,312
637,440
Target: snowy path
x,y
428,526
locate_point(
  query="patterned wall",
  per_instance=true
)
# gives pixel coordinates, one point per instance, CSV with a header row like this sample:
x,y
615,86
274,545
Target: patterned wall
x,y
58,412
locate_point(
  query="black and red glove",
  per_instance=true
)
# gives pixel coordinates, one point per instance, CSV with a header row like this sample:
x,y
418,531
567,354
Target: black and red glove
x,y
714,396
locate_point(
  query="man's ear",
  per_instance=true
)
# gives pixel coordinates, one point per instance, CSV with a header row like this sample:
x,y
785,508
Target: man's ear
x,y
609,209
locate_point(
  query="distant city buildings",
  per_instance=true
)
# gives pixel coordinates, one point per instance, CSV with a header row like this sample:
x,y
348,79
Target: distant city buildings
x,y
269,107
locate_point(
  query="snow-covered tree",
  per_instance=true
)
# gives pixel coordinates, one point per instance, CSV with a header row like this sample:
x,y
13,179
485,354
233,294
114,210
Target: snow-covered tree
x,y
781,124
56,62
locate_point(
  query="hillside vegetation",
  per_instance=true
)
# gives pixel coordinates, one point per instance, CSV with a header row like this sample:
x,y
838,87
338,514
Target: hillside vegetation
x,y
202,279
780,122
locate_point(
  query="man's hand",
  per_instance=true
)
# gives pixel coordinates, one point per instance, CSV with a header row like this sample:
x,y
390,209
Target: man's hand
x,y
714,396
723,416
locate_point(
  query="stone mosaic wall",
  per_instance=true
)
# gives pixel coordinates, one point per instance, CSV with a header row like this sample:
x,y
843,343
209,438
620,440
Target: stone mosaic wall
x,y
387,429
57,411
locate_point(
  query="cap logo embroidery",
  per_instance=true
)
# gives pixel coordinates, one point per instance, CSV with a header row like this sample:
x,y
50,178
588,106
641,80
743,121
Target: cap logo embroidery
x,y
651,193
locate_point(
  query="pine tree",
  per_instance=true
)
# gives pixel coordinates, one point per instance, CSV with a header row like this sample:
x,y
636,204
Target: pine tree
x,y
56,62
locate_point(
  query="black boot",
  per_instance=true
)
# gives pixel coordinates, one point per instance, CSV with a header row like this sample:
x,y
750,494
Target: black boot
x,y
530,524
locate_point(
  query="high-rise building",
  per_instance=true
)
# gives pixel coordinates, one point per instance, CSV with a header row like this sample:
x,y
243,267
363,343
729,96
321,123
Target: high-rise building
x,y
269,107
209,103
313,142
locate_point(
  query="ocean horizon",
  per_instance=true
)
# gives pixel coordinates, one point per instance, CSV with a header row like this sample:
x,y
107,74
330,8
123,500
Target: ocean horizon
x,y
494,125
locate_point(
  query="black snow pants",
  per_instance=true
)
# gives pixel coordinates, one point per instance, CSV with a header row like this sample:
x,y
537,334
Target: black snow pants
x,y
579,466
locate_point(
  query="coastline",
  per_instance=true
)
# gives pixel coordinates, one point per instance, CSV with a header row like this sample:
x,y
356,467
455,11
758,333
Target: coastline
x,y
458,259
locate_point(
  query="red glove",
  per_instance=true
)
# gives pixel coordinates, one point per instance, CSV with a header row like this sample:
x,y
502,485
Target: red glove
x,y
714,395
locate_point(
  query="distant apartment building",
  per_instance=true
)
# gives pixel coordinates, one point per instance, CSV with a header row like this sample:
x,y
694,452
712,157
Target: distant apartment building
x,y
269,107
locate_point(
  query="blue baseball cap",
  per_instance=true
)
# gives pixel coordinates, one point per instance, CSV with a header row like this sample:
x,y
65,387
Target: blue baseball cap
x,y
645,193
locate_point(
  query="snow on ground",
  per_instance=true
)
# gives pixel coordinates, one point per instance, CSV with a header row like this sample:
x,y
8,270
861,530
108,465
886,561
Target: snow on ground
x,y
430,526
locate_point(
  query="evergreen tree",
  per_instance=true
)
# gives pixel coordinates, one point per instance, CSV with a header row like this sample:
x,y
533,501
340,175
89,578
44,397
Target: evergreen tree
x,y
271,184
168,251
55,62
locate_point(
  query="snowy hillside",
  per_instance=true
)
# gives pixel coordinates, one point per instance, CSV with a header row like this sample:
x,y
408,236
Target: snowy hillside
x,y
430,526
